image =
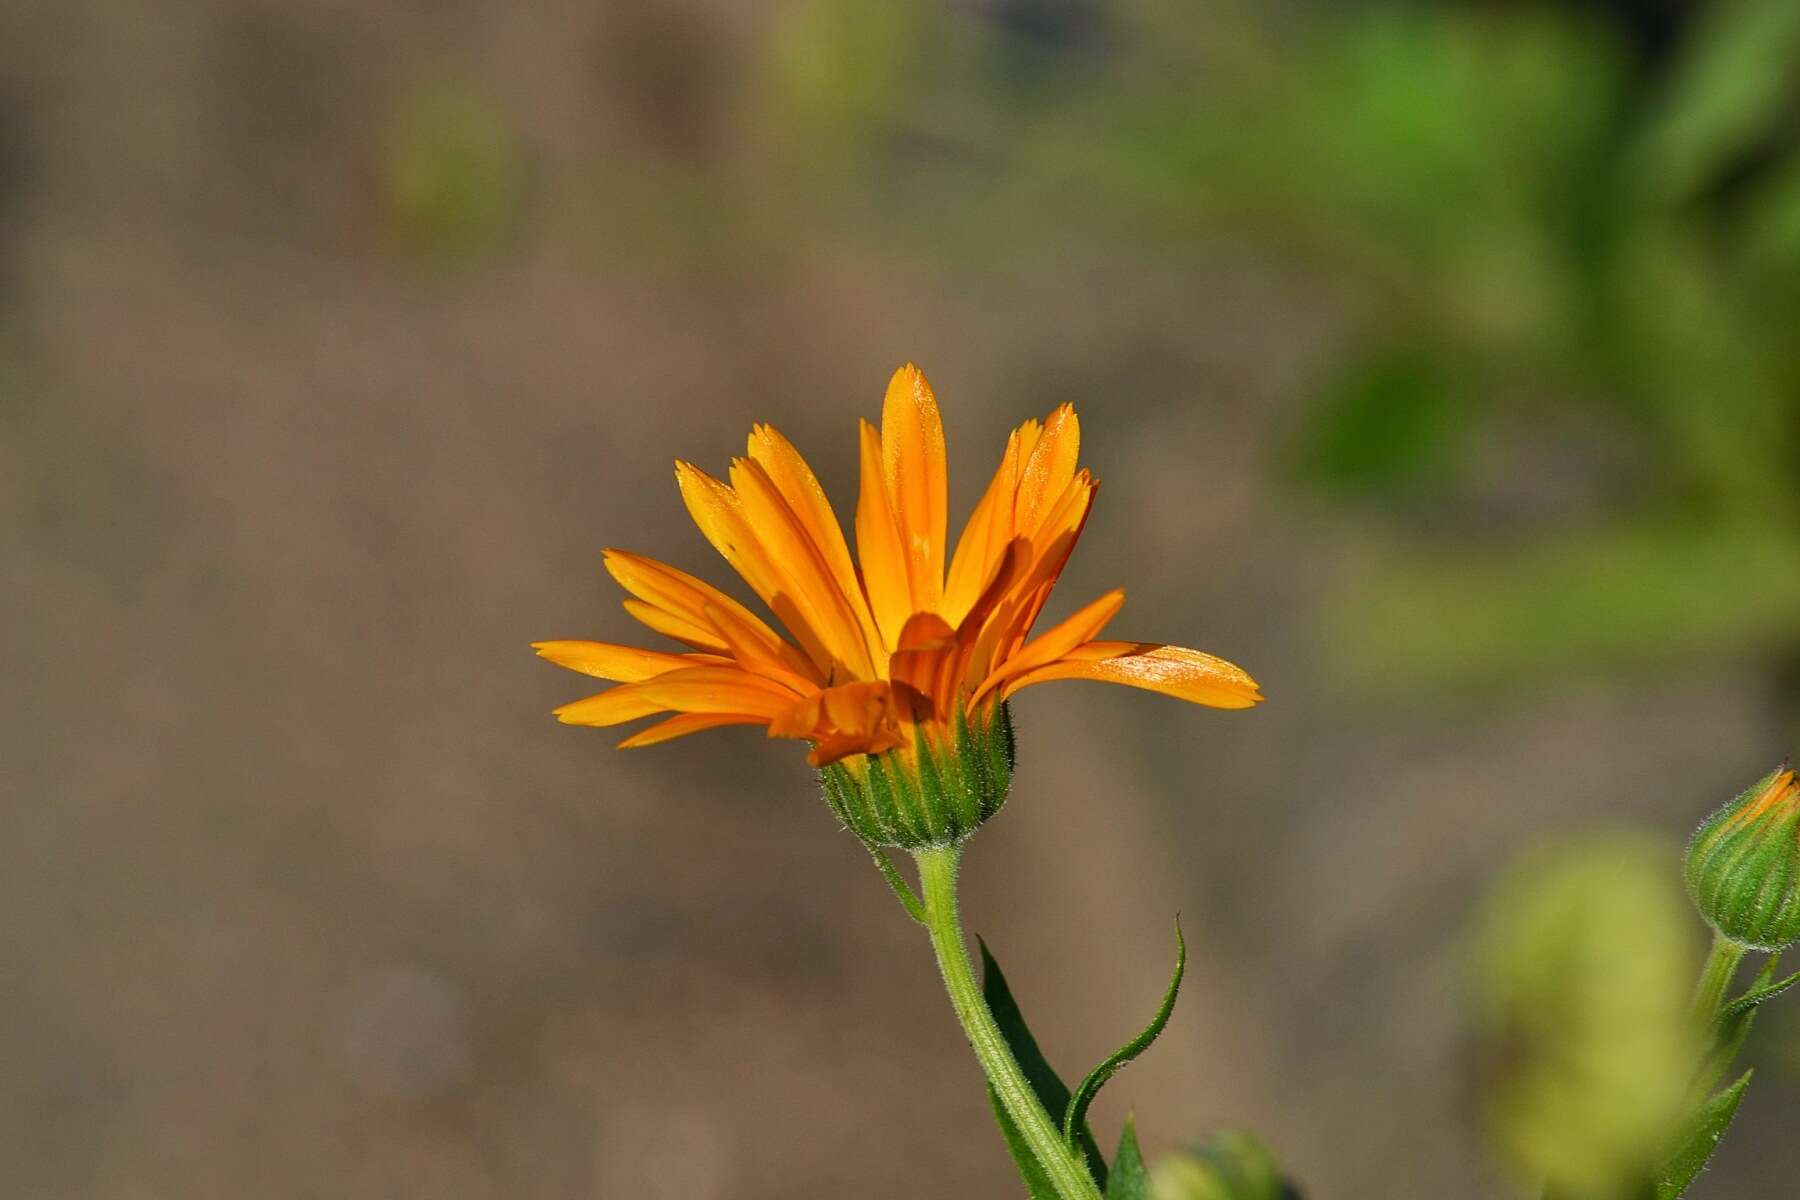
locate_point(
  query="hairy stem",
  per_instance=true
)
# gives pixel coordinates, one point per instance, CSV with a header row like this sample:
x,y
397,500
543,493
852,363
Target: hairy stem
x,y
1715,978
1061,1162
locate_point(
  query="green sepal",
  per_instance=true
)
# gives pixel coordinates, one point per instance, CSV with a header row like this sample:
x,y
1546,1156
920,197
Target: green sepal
x,y
1129,1179
1049,1088
1075,1116
1037,1180
909,899
1699,1139
935,792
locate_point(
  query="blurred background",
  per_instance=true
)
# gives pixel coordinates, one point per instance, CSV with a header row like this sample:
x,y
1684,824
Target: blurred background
x,y
1438,359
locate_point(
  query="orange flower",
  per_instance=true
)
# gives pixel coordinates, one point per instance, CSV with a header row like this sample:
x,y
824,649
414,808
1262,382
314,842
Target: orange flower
x,y
901,648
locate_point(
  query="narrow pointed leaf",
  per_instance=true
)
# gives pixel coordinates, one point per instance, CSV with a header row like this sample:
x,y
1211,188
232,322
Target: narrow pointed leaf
x,y
1051,1091
1732,1029
1128,1180
1700,1139
1760,994
1037,1180
1075,1116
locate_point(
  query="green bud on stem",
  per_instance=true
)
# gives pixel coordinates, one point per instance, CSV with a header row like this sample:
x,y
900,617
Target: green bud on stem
x,y
1743,866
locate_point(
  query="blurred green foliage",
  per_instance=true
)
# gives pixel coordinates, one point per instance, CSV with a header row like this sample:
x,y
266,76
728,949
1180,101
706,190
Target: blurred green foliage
x,y
1230,1165
1568,271
1584,962
453,171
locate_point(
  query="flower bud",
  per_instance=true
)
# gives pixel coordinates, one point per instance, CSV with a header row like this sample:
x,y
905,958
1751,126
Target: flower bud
x,y
1227,1166
1743,866
935,792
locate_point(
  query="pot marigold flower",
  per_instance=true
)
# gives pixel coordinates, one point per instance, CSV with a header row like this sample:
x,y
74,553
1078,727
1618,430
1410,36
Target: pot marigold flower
x,y
901,662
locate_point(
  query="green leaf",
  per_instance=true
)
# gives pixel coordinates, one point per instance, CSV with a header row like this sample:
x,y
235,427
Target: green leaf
x,y
1051,1091
1760,994
1129,1180
1734,86
1733,1027
1387,424
1075,1117
1037,1180
1700,1139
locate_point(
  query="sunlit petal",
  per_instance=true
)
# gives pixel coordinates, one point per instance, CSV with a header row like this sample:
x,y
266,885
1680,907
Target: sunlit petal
x,y
604,660
800,488
1172,670
1083,626
682,724
913,463
717,690
878,546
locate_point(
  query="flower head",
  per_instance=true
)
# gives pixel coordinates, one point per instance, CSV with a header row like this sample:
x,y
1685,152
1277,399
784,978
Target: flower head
x,y
902,658
1743,866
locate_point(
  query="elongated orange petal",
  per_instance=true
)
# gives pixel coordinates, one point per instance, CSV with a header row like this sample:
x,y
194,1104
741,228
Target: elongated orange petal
x,y
604,660
682,724
1048,470
1083,626
1053,542
612,707
753,654
1029,432
678,593
1007,627
984,539
700,637
807,578
913,462
878,546
800,488
717,690
719,512
1172,670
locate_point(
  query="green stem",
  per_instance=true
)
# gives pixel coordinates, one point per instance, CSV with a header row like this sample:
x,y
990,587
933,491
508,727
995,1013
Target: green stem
x,y
1715,978
1061,1161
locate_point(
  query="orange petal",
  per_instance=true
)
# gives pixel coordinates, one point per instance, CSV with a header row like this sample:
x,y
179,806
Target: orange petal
x,y
753,654
1185,674
1047,472
700,637
843,745
863,709
913,463
614,706
716,690
678,593
800,488
1083,626
604,660
719,512
808,581
682,724
878,546
1005,630
985,538
923,661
